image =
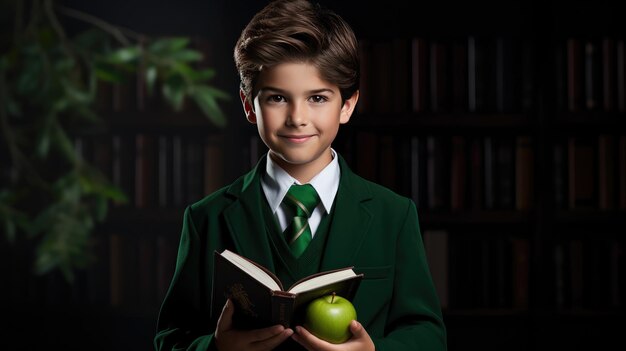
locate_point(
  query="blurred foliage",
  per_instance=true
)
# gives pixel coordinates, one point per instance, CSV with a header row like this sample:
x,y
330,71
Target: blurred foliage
x,y
49,82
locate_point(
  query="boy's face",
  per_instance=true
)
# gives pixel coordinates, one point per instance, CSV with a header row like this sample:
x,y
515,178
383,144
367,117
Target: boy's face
x,y
298,115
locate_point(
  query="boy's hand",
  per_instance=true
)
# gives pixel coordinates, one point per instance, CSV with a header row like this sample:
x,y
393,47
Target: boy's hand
x,y
360,340
227,338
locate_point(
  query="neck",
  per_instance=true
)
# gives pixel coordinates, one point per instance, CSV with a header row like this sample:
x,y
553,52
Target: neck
x,y
304,172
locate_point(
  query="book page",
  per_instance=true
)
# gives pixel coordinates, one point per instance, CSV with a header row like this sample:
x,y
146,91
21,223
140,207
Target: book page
x,y
252,270
322,280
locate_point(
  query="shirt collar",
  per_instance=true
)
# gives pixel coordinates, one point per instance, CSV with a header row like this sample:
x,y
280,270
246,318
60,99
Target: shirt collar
x,y
276,182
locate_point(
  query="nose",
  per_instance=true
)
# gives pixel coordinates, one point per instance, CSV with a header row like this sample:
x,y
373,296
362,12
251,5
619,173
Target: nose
x,y
297,114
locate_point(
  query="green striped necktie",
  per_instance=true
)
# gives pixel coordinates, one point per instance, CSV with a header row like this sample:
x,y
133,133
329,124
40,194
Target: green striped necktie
x,y
302,199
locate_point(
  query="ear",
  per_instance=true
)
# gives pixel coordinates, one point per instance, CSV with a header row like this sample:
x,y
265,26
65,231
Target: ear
x,y
348,108
247,107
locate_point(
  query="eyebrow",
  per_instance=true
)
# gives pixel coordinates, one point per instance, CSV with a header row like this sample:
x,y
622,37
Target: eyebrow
x,y
284,92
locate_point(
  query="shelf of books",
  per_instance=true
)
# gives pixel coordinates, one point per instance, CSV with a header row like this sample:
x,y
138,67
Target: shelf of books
x,y
513,148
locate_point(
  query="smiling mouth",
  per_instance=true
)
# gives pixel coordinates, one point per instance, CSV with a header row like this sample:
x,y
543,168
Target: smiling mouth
x,y
297,138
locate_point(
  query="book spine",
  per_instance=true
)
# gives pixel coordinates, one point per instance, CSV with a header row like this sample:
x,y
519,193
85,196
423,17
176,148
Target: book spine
x,y
436,247
621,161
524,173
458,174
574,75
419,74
400,66
606,171
283,310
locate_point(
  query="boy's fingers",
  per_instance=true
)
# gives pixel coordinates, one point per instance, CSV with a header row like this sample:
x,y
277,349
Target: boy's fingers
x,y
275,340
356,328
308,340
226,318
258,335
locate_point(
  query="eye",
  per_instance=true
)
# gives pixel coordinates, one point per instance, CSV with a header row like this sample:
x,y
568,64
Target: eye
x,y
318,98
275,98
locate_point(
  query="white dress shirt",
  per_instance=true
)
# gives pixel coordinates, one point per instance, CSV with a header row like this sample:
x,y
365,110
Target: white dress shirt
x,y
276,182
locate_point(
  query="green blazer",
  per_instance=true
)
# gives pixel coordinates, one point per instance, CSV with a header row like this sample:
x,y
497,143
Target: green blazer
x,y
373,229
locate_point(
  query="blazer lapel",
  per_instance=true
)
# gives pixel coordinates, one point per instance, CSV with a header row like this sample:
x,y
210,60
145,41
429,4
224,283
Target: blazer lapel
x,y
351,220
244,218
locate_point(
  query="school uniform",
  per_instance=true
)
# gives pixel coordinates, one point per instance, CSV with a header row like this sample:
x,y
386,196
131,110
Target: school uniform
x,y
368,227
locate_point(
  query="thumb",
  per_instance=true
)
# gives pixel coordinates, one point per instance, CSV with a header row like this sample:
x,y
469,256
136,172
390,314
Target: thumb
x,y
356,328
226,318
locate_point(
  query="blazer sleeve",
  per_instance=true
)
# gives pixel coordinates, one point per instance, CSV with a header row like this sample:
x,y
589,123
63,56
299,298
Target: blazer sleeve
x,y
183,322
414,320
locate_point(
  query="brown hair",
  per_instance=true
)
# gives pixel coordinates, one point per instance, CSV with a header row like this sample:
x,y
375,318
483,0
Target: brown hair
x,y
298,31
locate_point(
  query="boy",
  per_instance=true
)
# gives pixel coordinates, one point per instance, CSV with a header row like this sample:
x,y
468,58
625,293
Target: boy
x,y
298,65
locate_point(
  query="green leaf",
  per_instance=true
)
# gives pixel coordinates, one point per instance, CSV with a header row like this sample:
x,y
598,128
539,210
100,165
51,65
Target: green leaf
x,y
123,55
108,73
79,95
174,92
167,45
44,139
64,144
10,230
29,77
206,98
13,107
204,75
183,71
187,55
151,78
88,115
101,208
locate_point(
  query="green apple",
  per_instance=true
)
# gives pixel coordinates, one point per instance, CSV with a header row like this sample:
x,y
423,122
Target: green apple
x,y
328,317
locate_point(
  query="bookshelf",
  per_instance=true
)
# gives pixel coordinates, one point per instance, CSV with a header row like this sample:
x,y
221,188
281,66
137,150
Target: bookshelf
x,y
506,124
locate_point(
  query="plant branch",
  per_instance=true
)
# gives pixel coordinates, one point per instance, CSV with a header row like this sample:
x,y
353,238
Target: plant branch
x,y
54,21
117,32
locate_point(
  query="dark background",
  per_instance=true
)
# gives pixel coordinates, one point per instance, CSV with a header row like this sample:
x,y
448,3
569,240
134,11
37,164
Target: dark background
x,y
45,312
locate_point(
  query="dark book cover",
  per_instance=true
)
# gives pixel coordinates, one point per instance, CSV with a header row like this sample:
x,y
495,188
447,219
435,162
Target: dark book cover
x,y
165,171
592,78
387,171
459,75
505,174
507,77
439,79
475,172
419,74
213,164
123,164
524,173
145,170
382,77
365,85
436,247
438,171
581,173
367,142
521,269
257,305
609,75
606,172
458,173
621,75
194,170
418,171
596,292
400,75
621,161
574,74
489,171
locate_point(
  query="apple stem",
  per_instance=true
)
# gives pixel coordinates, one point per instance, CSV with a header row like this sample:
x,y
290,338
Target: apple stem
x,y
332,299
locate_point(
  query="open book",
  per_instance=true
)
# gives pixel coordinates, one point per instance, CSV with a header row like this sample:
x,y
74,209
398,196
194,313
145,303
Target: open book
x,y
259,297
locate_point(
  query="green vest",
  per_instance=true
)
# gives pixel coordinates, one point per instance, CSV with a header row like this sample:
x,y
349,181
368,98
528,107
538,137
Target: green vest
x,y
288,268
